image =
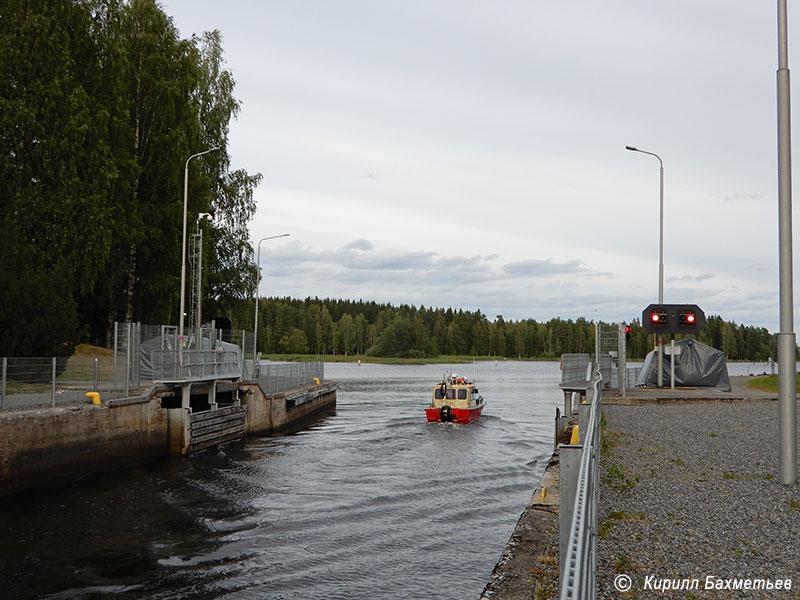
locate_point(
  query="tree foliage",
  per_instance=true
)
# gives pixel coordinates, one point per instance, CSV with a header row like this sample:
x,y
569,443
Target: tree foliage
x,y
347,327
101,103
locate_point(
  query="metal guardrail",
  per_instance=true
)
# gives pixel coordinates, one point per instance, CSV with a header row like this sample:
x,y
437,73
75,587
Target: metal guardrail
x,y
579,562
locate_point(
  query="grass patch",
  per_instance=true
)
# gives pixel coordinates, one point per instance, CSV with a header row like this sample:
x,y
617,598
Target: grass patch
x,y
767,383
621,515
617,515
16,387
609,439
623,564
618,478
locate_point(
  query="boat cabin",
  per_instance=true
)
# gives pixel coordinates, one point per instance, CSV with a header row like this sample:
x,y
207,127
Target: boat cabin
x,y
456,392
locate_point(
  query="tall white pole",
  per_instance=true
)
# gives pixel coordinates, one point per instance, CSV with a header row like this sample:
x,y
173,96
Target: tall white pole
x,y
787,388
183,246
660,254
199,289
258,282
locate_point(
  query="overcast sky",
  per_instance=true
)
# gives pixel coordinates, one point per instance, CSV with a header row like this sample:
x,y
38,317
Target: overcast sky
x,y
471,154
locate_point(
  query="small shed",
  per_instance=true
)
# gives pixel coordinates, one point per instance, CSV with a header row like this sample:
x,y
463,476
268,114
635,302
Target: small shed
x,y
696,365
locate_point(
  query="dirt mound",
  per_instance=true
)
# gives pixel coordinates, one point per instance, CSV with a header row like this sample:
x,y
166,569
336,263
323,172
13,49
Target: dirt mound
x,y
89,350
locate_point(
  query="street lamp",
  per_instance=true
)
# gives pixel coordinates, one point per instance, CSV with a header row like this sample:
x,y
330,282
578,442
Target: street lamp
x,y
183,246
660,256
258,281
198,273
787,345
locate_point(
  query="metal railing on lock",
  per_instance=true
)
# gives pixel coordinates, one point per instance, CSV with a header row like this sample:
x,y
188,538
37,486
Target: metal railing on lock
x,y
580,561
193,365
280,377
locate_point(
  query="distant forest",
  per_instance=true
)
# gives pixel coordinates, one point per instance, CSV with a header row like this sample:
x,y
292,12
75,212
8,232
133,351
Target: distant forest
x,y
291,326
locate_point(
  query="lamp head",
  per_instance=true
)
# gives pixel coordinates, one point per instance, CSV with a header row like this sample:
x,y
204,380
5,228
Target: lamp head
x,y
206,216
633,148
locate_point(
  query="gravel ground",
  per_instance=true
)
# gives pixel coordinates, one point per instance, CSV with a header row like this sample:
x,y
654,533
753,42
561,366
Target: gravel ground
x,y
691,490
16,402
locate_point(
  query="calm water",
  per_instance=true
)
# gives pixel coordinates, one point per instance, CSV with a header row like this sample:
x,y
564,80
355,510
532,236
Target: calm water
x,y
369,502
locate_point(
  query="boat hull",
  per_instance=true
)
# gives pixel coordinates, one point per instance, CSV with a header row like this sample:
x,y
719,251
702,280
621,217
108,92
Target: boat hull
x,y
458,415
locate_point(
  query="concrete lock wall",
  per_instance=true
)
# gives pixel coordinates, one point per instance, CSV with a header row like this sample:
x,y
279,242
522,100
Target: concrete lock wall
x,y
60,444
270,413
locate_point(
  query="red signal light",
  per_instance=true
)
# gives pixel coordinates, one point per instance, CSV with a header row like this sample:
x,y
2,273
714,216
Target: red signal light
x,y
690,318
655,318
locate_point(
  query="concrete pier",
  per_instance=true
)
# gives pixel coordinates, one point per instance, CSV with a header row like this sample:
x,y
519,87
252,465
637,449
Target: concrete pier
x,y
54,445
50,446
689,490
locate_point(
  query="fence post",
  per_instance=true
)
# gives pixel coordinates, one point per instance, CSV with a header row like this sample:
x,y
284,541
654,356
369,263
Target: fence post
x,y
3,396
241,356
53,385
114,375
137,354
128,362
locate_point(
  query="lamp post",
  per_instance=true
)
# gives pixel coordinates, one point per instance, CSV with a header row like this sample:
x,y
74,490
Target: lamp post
x,y
660,255
787,346
183,246
258,281
198,291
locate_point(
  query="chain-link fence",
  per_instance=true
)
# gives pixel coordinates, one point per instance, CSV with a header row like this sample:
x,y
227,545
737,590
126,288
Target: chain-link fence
x,y
280,377
127,341
141,355
28,383
610,348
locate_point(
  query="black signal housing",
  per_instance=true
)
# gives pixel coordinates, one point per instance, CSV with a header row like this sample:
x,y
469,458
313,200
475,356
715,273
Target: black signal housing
x,y
673,318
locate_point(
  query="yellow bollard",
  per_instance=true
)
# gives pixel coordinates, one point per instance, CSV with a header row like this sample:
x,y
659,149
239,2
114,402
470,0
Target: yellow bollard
x,y
316,380
574,439
95,397
544,493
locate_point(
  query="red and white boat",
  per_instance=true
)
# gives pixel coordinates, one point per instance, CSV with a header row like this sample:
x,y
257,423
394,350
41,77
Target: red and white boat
x,y
455,400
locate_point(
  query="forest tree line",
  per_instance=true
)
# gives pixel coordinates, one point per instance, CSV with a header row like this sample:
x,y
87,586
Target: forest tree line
x,y
101,105
314,326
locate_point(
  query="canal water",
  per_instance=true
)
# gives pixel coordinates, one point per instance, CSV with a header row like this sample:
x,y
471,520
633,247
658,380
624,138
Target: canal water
x,y
368,502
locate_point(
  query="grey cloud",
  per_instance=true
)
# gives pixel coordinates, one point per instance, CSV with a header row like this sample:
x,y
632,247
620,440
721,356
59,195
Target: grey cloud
x,y
543,268
360,244
701,277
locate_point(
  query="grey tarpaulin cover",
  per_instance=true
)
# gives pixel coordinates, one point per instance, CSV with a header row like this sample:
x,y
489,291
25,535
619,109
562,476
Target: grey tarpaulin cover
x,y
695,365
